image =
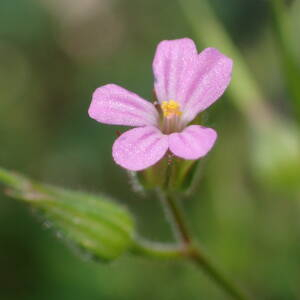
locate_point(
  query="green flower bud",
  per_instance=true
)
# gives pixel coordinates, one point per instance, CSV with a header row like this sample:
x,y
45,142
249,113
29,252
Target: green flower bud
x,y
97,225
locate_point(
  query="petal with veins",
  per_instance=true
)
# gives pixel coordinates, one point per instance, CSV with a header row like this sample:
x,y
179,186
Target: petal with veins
x,y
112,104
193,142
140,148
172,61
205,83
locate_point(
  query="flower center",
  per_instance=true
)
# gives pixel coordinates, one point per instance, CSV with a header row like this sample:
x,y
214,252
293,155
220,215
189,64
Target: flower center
x,y
171,114
171,108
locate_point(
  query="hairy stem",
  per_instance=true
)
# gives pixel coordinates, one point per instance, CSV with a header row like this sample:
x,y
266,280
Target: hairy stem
x,y
156,250
187,247
195,254
177,220
199,259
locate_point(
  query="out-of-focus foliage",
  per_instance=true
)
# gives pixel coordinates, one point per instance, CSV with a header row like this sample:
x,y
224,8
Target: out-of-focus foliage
x,y
53,54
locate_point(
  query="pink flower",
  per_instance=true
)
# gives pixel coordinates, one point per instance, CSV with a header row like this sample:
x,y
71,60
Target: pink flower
x,y
186,83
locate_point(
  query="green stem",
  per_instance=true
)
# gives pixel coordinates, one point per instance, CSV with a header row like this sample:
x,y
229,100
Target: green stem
x,y
9,179
186,245
162,251
290,66
156,250
172,211
177,220
195,254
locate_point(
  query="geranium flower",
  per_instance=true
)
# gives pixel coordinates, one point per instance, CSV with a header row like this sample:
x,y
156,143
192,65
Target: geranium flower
x,y
186,83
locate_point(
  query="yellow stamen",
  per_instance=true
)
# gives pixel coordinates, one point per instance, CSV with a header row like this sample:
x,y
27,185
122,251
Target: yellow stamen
x,y
171,108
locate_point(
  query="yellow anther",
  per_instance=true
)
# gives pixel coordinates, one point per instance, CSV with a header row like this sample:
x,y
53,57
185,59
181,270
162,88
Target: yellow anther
x,y
171,108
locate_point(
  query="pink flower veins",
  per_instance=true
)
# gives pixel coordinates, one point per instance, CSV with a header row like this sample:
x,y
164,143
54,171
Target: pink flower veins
x,y
186,83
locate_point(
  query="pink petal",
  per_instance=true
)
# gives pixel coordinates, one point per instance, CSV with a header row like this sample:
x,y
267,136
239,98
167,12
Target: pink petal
x,y
140,148
193,142
112,104
205,83
171,62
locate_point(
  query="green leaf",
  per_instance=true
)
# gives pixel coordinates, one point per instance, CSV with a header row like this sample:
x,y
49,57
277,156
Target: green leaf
x,y
96,224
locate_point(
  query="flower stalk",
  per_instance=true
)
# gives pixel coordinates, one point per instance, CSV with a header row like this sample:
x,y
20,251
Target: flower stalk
x,y
173,211
187,248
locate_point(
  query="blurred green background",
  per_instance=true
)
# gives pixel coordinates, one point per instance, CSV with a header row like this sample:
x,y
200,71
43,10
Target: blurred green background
x,y
54,53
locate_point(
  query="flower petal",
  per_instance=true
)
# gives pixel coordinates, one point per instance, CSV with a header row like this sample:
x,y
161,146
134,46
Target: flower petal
x,y
205,83
112,104
193,142
172,60
140,148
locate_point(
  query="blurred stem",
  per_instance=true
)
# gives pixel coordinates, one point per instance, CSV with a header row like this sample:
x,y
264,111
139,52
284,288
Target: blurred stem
x,y
282,30
210,32
9,179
